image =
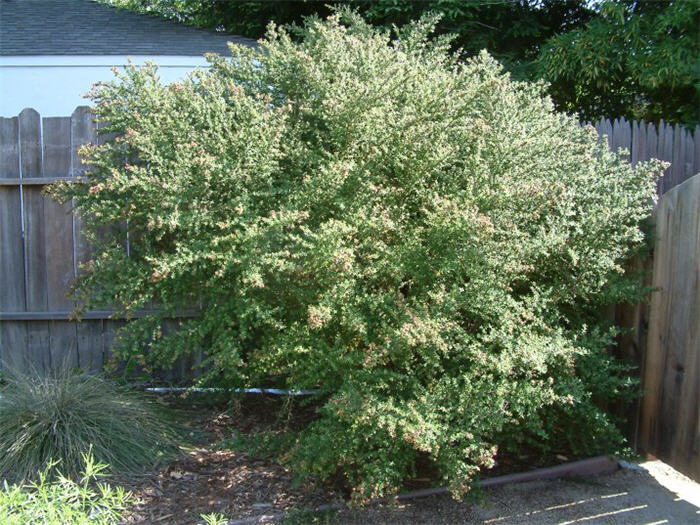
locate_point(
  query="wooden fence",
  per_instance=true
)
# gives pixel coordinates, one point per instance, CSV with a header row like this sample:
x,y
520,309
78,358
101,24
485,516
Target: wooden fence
x,y
646,141
41,247
669,423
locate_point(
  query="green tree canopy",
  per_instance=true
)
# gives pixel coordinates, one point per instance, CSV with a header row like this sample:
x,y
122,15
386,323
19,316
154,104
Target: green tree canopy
x,y
511,30
636,59
630,58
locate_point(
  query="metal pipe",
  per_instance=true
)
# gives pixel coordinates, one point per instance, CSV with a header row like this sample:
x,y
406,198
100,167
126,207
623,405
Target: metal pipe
x,y
272,391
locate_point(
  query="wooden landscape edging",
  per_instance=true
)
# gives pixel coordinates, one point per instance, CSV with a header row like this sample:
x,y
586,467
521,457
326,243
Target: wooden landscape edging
x,y
583,467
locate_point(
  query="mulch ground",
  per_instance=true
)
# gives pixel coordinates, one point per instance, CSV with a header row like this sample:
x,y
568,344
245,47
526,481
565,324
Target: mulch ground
x,y
211,479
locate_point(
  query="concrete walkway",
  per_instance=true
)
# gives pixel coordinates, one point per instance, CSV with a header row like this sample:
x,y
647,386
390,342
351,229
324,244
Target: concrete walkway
x,y
648,494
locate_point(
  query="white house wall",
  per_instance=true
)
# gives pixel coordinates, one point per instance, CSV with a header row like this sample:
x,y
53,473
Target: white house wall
x,y
55,85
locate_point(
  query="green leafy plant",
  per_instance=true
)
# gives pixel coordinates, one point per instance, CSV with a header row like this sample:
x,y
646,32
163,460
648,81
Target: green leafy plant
x,y
419,237
214,518
54,499
64,415
634,59
309,517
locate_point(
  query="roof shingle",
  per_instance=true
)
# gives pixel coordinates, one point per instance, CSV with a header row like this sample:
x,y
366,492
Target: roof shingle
x,y
85,27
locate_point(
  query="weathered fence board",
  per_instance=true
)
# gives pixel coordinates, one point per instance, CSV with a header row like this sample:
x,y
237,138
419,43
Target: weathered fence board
x,y
665,142
13,335
670,414
36,285
60,266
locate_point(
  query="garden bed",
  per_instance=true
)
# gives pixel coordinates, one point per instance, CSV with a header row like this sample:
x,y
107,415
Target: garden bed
x,y
213,478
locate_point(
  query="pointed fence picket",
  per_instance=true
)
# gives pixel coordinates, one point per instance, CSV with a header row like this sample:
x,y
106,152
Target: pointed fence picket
x,y
644,141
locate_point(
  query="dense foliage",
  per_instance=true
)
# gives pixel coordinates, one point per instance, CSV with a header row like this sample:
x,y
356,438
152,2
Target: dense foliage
x,y
64,416
636,60
422,239
54,499
617,58
511,30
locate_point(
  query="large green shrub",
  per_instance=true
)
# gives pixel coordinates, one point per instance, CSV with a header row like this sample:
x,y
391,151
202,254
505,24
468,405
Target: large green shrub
x,y
422,239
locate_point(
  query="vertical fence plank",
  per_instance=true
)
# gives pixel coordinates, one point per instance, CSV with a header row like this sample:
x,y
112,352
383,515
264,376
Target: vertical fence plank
x,y
667,154
621,135
59,243
639,136
83,131
121,228
670,422
628,135
678,160
34,238
651,150
605,128
615,137
689,156
90,332
684,340
661,154
109,333
13,334
90,344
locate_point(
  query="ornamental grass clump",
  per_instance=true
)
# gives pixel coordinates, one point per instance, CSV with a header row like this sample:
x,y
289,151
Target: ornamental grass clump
x,y
416,235
64,416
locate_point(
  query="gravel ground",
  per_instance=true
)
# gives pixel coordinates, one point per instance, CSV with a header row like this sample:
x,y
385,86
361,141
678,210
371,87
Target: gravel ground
x,y
651,494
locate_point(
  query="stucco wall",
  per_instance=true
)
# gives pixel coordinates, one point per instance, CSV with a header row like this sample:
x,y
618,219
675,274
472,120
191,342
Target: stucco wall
x,y
54,85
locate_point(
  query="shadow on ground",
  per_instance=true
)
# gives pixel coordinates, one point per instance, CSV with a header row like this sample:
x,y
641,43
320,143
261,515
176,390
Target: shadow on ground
x,y
623,497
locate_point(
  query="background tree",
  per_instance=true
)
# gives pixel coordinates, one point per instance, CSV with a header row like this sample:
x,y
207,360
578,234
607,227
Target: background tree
x,y
634,59
512,30
629,58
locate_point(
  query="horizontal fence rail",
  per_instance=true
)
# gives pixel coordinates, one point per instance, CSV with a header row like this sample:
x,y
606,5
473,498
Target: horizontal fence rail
x,y
69,315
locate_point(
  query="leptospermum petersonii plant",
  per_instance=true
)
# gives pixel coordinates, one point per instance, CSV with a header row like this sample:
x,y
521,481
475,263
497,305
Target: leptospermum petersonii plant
x,y
416,235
